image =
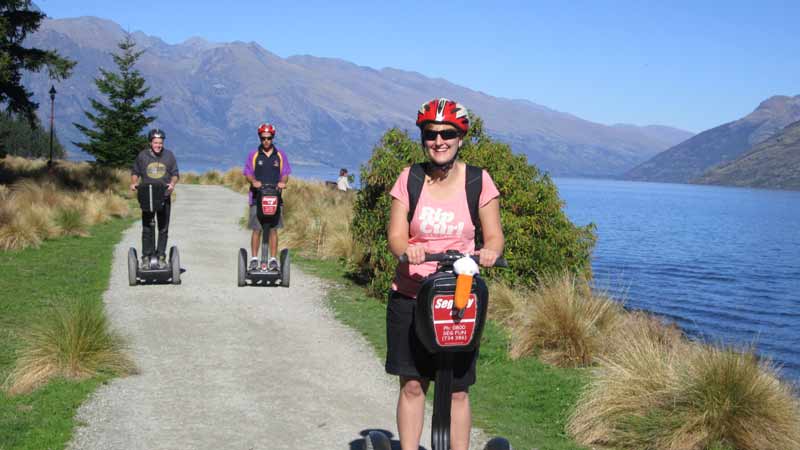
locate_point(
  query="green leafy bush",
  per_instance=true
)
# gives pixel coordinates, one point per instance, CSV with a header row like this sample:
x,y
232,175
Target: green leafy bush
x,y
539,237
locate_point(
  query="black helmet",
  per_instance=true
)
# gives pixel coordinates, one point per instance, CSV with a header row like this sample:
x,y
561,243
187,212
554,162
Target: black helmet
x,y
156,133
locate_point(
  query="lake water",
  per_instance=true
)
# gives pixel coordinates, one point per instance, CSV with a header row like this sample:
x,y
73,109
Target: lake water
x,y
723,263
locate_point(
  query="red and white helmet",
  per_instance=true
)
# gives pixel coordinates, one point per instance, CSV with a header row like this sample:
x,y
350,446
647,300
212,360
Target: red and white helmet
x,y
266,128
442,110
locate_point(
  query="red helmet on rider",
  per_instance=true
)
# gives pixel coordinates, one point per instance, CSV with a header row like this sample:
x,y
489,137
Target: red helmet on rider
x,y
442,110
266,128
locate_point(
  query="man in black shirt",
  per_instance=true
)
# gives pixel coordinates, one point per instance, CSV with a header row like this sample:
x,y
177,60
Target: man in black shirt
x,y
155,165
266,164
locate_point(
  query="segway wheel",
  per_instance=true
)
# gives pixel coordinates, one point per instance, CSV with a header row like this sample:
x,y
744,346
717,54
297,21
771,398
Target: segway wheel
x,y
286,266
175,262
133,266
376,440
498,443
242,279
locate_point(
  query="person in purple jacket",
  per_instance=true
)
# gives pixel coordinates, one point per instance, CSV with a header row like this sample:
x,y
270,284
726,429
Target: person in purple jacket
x,y
265,165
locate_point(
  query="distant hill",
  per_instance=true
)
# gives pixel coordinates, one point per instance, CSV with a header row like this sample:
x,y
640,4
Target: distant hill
x,y
691,158
327,111
775,163
666,136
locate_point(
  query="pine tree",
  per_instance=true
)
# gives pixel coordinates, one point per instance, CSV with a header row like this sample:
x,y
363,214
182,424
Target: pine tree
x,y
17,20
117,138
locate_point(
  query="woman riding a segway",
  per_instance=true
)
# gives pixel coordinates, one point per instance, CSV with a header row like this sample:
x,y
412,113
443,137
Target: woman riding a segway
x,y
436,206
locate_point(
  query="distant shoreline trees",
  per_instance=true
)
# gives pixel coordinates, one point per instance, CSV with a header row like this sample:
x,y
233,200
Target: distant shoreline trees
x,y
18,138
116,137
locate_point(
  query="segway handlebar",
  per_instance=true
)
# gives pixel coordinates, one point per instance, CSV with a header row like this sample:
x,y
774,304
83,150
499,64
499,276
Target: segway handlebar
x,y
452,257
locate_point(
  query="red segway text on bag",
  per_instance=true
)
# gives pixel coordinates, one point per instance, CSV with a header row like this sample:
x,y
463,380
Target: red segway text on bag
x,y
269,205
449,329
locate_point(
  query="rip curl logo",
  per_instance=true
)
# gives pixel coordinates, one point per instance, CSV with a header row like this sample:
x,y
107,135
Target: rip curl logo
x,y
438,221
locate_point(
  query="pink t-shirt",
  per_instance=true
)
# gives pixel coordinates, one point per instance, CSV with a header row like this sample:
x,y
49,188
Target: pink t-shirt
x,y
440,225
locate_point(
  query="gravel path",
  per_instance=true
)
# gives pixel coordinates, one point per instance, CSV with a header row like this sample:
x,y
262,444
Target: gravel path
x,y
223,367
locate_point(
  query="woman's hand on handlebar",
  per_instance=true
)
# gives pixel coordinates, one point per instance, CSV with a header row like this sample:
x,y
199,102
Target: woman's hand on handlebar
x,y
281,185
415,254
133,187
256,184
487,257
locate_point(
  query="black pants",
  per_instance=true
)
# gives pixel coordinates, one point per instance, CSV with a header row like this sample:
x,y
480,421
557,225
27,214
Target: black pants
x,y
148,231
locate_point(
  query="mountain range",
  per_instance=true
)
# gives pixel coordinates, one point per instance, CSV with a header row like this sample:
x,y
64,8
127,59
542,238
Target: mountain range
x,y
327,111
690,159
774,163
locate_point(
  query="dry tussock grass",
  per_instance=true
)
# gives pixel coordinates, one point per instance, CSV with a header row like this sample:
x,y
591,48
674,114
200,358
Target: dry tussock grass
x,y
94,208
17,234
234,179
641,325
43,205
41,221
74,341
116,205
318,221
71,220
190,178
78,176
23,165
6,213
658,391
211,177
563,320
507,302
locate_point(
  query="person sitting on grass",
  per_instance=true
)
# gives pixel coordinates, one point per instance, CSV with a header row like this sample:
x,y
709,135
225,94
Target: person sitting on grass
x,y
343,183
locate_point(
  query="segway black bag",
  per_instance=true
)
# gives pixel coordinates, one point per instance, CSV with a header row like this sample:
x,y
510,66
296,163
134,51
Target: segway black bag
x,y
268,204
438,323
152,197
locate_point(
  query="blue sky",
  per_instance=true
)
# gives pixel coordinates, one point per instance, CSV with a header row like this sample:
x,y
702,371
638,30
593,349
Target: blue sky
x,y
692,65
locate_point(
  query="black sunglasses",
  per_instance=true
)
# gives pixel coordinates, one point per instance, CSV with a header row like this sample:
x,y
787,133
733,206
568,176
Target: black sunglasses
x,y
266,138
430,135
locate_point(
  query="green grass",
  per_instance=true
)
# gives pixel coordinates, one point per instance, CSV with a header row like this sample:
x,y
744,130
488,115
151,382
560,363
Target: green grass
x,y
525,400
31,282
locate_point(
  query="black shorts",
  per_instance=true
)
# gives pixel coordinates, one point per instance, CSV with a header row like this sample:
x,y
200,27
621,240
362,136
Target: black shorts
x,y
407,357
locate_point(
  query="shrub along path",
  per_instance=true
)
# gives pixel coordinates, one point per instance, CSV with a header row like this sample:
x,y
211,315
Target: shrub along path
x,y
229,367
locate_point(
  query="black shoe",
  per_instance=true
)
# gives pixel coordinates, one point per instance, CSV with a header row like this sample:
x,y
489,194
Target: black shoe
x,y
162,262
254,264
145,262
273,264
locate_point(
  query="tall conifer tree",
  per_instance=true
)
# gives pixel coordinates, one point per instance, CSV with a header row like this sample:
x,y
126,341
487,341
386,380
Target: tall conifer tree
x,y
17,20
117,135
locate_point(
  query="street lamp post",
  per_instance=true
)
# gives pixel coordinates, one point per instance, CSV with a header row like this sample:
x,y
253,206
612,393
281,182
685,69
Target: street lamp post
x,y
52,111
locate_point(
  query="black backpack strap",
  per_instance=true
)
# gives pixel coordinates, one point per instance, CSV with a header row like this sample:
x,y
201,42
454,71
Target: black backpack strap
x,y
474,180
416,178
